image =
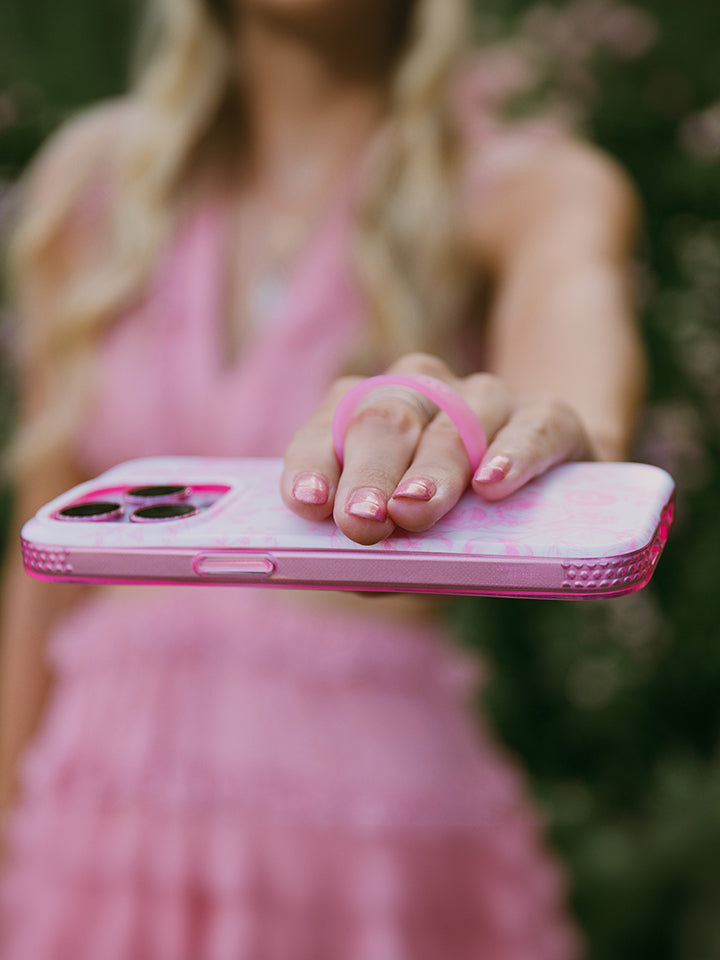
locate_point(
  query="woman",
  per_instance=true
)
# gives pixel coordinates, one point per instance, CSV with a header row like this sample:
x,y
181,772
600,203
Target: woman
x,y
291,193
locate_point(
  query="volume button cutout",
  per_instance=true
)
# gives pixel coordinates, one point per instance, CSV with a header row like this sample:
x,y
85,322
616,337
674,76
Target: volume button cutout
x,y
239,565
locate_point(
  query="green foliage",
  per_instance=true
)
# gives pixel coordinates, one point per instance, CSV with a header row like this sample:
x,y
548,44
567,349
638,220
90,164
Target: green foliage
x,y
53,59
613,707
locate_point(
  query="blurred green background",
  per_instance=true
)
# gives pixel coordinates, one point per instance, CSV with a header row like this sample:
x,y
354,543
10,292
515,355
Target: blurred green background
x,y
614,707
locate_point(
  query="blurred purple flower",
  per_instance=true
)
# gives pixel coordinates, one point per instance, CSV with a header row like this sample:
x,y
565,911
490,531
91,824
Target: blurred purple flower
x,y
565,40
582,26
700,133
620,28
492,76
672,436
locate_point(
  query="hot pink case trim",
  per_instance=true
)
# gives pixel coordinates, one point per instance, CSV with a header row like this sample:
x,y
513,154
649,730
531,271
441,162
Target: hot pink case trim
x,y
468,425
582,530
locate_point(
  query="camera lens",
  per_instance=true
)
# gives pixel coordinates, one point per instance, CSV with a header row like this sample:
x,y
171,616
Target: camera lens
x,y
163,511
92,510
174,492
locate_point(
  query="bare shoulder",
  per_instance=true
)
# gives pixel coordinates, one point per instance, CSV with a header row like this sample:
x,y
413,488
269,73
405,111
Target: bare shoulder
x,y
556,192
81,149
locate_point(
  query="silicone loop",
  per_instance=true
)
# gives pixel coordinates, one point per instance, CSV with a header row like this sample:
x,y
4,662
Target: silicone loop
x,y
468,425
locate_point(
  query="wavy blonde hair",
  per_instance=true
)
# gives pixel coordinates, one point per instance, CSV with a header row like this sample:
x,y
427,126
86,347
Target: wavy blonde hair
x,y
182,111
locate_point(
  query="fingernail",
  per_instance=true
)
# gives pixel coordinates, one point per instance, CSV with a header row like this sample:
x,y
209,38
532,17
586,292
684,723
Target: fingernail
x,y
367,503
416,489
494,470
310,488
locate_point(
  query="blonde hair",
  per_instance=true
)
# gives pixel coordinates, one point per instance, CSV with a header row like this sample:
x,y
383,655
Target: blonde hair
x,y
180,108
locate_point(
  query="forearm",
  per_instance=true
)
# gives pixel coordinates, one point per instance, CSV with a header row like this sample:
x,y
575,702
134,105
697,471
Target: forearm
x,y
28,611
566,330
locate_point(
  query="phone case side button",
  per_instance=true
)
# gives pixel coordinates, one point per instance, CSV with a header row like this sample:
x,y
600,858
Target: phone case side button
x,y
235,565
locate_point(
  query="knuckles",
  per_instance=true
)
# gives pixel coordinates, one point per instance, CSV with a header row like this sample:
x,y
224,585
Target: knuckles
x,y
445,433
341,386
489,390
550,418
546,427
424,363
390,415
486,383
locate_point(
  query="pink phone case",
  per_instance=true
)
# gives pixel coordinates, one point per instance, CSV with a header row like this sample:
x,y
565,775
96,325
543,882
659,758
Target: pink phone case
x,y
583,530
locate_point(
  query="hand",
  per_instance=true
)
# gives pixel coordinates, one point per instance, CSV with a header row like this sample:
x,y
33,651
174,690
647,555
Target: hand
x,y
404,463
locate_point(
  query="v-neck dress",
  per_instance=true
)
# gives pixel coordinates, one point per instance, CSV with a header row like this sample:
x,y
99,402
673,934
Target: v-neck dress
x,y
221,776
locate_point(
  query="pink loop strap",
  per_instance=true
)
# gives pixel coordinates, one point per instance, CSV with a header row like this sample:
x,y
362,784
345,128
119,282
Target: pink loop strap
x,y
468,425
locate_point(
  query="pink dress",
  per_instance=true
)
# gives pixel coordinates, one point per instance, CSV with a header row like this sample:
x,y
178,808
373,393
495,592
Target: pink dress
x,y
223,776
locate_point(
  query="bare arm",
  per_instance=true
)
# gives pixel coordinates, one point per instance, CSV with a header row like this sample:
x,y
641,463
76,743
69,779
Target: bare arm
x,y
559,238
567,370
29,608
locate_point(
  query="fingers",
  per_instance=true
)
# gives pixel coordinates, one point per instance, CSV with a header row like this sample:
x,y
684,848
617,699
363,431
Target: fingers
x,y
310,477
380,443
535,438
384,437
404,462
440,471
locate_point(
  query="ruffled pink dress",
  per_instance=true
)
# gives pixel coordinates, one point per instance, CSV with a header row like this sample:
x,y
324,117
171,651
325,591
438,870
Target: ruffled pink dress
x,y
223,776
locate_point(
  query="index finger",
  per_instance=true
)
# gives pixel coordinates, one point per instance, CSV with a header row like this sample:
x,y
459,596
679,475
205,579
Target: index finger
x,y
311,472
439,392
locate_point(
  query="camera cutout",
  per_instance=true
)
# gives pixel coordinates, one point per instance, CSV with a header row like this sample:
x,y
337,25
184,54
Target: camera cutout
x,y
144,503
157,492
163,511
92,510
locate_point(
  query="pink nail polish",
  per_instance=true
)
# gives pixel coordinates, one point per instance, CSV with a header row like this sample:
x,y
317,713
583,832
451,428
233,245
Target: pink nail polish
x,y
367,503
310,488
416,489
496,469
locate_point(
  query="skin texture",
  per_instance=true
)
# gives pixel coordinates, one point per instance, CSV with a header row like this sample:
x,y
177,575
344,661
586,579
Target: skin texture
x,y
566,367
565,372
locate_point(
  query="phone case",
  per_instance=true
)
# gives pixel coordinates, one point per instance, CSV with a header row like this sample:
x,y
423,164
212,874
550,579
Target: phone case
x,y
581,531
